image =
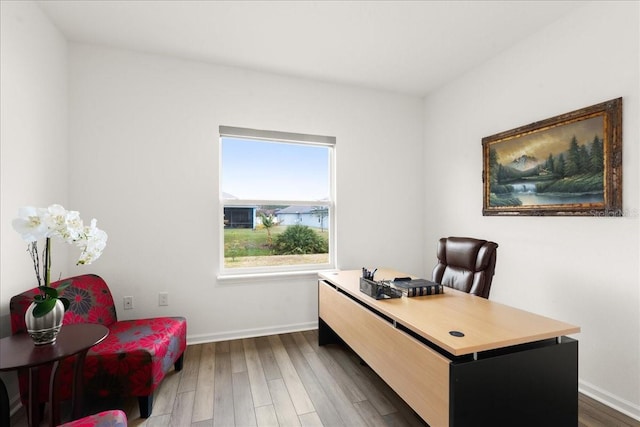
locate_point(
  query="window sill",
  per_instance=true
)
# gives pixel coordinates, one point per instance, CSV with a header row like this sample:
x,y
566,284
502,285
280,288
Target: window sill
x,y
270,275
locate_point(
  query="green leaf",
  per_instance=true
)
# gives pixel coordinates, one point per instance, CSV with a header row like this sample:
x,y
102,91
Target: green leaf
x,y
64,285
44,307
50,292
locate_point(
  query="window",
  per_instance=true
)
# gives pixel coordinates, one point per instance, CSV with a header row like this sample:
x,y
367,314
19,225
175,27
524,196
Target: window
x,y
277,201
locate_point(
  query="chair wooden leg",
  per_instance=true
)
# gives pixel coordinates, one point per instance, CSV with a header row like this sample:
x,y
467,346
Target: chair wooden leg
x,y
146,404
179,363
4,405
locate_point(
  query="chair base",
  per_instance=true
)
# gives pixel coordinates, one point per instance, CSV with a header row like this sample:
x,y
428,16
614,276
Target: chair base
x,y
179,363
145,403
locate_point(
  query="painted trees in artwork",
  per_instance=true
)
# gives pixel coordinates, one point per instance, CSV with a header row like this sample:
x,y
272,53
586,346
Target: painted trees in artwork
x,y
577,170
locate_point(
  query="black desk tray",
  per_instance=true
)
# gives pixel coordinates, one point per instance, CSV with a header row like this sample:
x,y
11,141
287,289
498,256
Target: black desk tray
x,y
378,290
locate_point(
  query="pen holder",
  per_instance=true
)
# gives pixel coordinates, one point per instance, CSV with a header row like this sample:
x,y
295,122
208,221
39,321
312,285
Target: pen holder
x,y
378,290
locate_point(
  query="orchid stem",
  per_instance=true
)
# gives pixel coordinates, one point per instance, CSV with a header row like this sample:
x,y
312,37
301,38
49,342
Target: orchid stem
x,y
47,262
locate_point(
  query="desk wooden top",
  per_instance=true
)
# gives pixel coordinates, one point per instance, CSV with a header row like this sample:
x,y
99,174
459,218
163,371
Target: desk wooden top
x,y
486,325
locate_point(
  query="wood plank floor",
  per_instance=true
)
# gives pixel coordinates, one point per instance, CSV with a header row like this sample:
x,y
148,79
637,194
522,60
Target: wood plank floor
x,y
286,380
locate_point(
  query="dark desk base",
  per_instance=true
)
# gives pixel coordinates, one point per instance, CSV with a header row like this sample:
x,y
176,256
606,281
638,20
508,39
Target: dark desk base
x,y
529,385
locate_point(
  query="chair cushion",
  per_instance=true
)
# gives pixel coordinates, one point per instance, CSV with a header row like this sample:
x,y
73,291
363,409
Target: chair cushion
x,y
115,418
457,278
135,356
461,252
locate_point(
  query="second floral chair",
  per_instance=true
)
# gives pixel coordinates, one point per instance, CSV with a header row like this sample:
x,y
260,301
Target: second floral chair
x,y
114,418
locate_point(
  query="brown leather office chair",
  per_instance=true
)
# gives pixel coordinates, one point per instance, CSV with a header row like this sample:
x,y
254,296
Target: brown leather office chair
x,y
466,264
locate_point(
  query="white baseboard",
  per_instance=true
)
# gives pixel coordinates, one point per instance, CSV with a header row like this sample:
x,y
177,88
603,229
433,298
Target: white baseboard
x,y
251,333
606,398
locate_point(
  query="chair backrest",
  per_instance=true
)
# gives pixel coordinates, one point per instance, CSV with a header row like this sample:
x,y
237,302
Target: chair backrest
x,y
90,302
466,264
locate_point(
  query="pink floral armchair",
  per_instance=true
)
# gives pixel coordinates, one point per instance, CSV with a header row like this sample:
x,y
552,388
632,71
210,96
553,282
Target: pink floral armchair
x,y
133,359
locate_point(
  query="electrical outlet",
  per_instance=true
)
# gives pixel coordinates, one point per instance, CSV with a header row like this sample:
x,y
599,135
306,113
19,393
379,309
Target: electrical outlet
x,y
163,298
128,303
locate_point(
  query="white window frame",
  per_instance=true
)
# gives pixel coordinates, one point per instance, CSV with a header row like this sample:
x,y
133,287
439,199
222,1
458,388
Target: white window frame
x,y
284,137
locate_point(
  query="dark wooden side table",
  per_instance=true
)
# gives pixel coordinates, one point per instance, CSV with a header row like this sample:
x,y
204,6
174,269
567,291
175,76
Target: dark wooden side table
x,y
19,352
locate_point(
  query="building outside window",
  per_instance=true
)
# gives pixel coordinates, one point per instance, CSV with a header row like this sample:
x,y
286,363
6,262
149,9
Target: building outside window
x,y
277,201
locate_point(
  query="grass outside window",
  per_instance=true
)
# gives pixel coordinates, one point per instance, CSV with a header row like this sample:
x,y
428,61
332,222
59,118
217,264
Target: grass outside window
x,y
246,247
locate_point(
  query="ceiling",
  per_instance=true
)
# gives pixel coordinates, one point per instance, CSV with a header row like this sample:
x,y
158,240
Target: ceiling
x,y
410,47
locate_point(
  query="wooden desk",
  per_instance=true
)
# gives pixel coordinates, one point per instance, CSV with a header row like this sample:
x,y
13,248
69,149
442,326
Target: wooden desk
x,y
511,367
19,352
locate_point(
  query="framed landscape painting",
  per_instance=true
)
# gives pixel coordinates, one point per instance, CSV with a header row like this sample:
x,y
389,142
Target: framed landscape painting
x,y
568,165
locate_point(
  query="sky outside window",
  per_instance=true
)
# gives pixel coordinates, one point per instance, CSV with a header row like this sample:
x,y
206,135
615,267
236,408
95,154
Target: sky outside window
x,y
264,170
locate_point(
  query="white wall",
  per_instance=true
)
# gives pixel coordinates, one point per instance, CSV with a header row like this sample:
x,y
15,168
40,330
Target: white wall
x,y
142,158
144,150
581,270
33,140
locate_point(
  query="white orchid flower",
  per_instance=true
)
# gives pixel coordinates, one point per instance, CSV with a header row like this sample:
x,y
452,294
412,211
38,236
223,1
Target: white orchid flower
x,y
72,229
55,218
94,242
55,221
30,225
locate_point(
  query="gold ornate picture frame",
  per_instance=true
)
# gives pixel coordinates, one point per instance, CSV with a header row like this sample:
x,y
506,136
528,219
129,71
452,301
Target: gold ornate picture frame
x,y
568,165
